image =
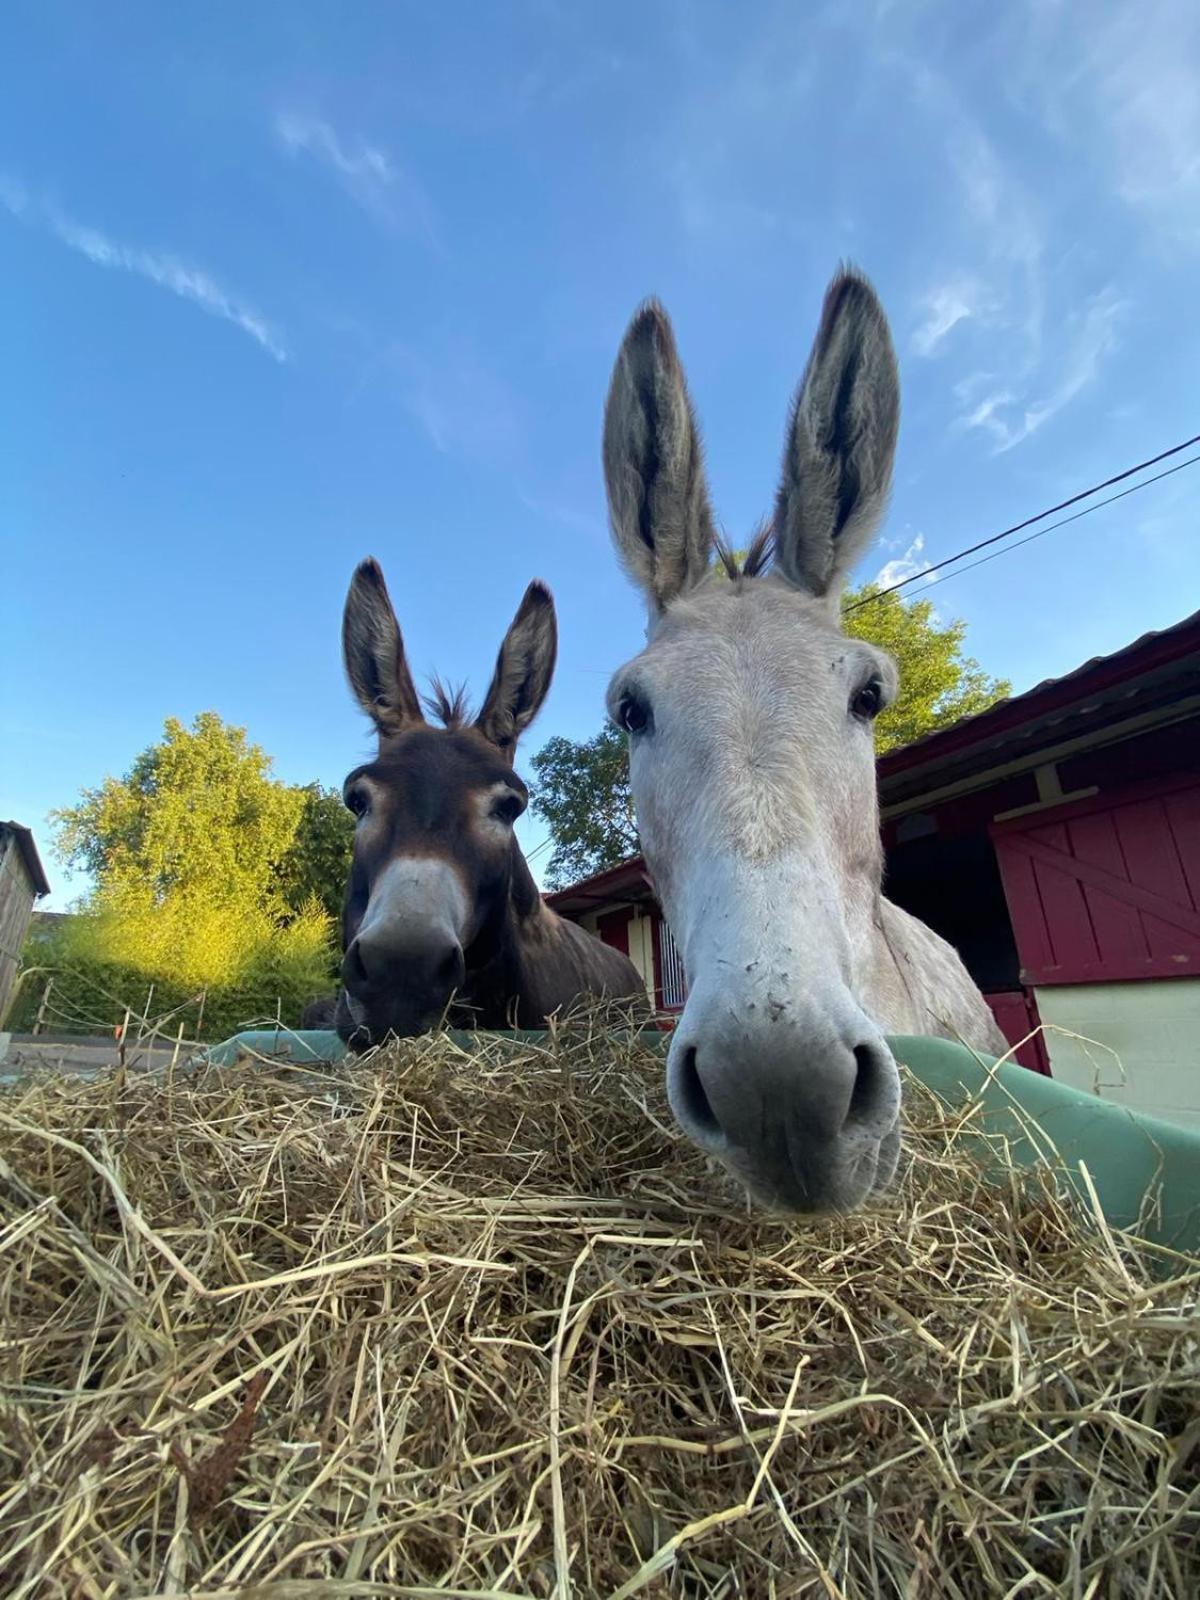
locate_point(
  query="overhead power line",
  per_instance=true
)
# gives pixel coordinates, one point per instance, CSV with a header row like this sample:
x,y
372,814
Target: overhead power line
x,y
1028,522
1050,526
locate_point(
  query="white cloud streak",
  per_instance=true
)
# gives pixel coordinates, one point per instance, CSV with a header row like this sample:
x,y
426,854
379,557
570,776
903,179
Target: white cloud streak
x,y
907,565
14,196
1094,336
465,408
1125,92
1040,363
167,271
957,300
368,174
1007,288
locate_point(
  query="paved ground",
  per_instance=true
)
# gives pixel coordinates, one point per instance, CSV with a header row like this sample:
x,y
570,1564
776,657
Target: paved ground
x,y
21,1054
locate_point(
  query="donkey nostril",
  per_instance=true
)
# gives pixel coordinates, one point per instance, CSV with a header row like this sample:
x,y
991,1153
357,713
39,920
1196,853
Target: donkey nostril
x,y
868,1085
693,1098
355,971
450,968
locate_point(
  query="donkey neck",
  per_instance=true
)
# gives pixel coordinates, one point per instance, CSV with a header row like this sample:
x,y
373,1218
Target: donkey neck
x,y
495,976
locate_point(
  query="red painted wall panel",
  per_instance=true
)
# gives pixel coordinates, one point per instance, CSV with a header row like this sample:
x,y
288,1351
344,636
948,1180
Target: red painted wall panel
x,y
1183,815
1105,890
1017,1018
1116,925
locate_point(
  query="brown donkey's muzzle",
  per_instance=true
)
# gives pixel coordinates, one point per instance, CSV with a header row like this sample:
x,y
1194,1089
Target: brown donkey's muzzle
x,y
405,962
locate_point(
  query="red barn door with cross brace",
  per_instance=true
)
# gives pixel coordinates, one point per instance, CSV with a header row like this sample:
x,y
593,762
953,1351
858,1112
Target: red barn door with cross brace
x,y
1107,889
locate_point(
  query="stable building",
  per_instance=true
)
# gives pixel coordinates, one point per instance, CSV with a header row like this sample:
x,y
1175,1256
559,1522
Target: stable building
x,y
22,883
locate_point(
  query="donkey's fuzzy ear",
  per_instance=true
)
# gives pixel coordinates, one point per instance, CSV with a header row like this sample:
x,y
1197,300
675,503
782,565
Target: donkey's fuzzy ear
x,y
524,668
653,465
837,464
373,652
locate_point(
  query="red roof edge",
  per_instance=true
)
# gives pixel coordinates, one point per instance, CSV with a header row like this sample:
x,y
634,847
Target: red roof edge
x,y
1093,677
628,874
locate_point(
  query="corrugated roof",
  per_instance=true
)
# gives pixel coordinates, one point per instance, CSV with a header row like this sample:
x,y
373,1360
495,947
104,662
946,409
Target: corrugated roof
x,y
627,880
1170,643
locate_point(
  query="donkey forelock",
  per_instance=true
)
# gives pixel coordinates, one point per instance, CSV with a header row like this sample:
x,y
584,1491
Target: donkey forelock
x,y
448,703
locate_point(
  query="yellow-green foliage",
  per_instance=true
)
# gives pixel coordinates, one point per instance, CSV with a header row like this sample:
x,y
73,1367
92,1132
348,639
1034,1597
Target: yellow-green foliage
x,y
198,814
228,969
938,683
198,942
197,891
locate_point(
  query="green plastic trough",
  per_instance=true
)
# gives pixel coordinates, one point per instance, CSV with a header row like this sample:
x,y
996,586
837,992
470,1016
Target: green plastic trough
x,y
1144,1174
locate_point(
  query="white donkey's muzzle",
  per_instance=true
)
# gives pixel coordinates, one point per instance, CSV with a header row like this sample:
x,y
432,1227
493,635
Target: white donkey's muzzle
x,y
801,1103
775,1067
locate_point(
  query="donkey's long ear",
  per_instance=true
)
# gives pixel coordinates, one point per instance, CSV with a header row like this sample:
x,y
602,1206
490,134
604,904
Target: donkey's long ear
x,y
653,465
374,654
837,464
524,669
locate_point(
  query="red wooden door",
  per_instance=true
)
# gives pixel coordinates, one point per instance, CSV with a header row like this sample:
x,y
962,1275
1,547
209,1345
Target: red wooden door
x,y
1108,889
613,928
1016,1014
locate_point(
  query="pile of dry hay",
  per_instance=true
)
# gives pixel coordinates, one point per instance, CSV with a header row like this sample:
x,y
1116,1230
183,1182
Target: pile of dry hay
x,y
482,1323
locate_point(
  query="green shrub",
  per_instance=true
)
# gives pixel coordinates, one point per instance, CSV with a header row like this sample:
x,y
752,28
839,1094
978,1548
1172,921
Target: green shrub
x,y
213,969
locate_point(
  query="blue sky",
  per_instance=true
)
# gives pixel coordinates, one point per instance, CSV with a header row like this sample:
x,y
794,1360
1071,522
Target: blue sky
x,y
286,285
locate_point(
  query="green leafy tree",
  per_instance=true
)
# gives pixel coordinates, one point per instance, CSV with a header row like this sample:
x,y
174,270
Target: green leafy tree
x,y
938,683
198,814
582,792
201,878
317,866
583,787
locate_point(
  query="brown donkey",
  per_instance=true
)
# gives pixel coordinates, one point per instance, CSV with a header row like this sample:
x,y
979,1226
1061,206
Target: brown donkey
x,y
442,916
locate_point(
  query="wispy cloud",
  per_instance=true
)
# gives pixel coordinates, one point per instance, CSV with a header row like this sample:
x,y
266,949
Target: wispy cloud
x,y
957,300
906,565
1005,232
372,177
14,196
465,409
168,271
726,125
1093,335
367,163
1037,354
1126,93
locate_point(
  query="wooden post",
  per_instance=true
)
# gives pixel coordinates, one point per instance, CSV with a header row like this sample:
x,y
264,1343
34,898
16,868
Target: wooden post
x,y
175,1058
40,1019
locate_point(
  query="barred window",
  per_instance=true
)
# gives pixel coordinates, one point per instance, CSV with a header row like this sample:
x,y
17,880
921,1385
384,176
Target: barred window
x,y
670,965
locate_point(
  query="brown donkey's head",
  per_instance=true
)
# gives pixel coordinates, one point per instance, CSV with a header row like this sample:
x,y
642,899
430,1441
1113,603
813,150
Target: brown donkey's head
x,y
435,859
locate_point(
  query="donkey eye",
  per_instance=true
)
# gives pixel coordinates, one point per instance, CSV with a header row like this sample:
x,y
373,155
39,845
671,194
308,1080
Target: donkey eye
x,y
358,801
633,713
868,701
